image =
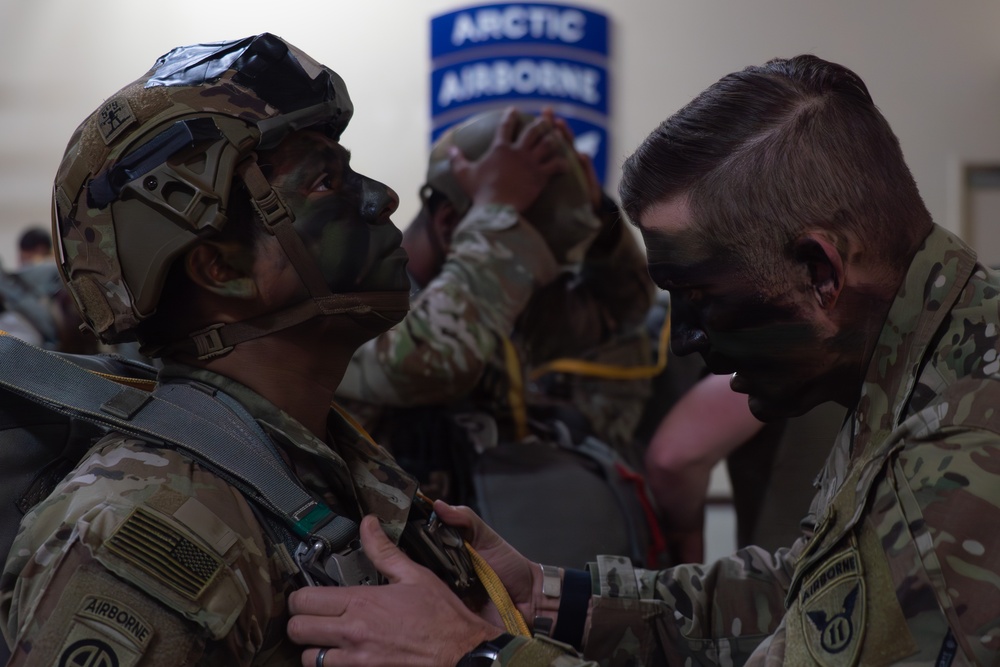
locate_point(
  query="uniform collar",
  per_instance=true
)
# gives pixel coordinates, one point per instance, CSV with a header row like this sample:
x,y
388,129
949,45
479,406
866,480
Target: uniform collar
x,y
933,284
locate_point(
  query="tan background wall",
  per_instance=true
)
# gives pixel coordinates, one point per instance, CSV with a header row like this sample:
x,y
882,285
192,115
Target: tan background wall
x,y
933,67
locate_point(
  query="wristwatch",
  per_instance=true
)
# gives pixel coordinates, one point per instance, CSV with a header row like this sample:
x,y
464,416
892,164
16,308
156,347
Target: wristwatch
x,y
486,654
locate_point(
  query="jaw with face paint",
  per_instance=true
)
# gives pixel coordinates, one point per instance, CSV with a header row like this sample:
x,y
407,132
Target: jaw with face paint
x,y
342,216
776,346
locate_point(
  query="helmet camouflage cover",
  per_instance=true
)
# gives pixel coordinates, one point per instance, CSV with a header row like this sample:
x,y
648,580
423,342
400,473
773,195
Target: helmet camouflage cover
x,y
563,212
149,173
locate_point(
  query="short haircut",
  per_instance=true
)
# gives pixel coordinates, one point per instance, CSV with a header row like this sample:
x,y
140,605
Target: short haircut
x,y
35,238
771,150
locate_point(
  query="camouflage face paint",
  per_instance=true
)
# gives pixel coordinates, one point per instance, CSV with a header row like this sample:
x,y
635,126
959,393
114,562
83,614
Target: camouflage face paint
x,y
771,343
342,216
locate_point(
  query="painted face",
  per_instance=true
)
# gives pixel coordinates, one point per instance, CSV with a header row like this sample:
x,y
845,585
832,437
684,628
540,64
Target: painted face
x,y
341,215
773,345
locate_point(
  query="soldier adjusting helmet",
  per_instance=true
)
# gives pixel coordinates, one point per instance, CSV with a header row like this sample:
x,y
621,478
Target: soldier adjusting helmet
x,y
563,213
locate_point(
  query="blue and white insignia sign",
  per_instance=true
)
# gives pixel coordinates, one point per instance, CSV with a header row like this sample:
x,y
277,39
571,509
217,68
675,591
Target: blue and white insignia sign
x,y
527,55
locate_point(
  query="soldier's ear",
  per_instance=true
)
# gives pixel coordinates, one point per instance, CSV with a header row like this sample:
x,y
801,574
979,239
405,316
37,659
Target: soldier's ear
x,y
822,260
221,268
444,220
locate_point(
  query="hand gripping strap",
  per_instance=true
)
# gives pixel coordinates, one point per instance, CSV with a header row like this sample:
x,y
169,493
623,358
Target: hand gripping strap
x,y
216,431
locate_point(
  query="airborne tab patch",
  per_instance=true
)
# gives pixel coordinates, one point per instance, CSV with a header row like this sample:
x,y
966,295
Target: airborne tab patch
x,y
832,604
158,548
115,116
105,633
114,614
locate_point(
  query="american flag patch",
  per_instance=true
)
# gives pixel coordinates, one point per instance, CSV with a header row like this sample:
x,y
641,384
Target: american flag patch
x,y
159,549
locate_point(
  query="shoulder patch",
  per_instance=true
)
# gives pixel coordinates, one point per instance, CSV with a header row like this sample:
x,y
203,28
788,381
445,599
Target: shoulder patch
x,y
105,633
833,605
117,615
151,544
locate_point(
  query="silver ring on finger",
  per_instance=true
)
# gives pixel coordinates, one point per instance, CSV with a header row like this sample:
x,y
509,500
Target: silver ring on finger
x,y
320,656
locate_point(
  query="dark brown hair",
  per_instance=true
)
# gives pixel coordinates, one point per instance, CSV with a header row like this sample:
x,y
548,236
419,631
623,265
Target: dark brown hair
x,y
771,150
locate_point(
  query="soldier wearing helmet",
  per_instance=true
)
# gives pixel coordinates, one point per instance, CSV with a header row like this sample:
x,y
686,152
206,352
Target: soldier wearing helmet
x,y
564,280
209,211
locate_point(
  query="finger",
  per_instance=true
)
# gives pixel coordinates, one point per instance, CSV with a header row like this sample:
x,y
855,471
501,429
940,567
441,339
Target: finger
x,y
319,601
479,534
384,555
318,630
555,164
458,516
564,130
334,657
547,148
593,185
458,163
537,130
507,130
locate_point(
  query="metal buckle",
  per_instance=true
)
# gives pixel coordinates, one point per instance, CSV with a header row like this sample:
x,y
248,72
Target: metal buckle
x,y
209,342
348,568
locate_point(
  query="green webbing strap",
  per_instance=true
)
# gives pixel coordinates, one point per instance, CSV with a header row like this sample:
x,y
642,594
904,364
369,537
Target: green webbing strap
x,y
215,430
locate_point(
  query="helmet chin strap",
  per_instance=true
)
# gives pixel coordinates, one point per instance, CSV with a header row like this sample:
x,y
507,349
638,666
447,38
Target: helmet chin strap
x,y
219,339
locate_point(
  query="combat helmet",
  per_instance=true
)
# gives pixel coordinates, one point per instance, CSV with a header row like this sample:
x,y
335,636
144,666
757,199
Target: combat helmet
x,y
149,174
563,212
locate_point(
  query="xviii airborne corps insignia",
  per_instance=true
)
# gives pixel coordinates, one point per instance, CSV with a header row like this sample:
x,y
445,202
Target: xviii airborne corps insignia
x,y
832,603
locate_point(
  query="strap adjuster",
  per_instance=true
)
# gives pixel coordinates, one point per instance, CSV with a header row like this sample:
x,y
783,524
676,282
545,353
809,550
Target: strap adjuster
x,y
272,209
209,342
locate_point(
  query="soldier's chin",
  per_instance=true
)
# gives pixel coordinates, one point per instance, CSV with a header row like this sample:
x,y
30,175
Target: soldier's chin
x,y
771,408
767,409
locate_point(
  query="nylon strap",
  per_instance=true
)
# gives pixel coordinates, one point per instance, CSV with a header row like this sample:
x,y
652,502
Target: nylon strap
x,y
278,219
215,430
515,392
218,339
609,371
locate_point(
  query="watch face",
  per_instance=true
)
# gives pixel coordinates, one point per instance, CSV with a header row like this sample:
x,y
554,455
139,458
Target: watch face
x,y
471,660
486,654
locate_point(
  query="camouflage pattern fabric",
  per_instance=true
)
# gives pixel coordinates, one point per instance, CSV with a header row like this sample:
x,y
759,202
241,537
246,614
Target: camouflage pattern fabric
x,y
899,566
500,278
143,557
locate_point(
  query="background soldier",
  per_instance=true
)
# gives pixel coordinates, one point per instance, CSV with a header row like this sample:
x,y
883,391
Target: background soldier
x,y
498,298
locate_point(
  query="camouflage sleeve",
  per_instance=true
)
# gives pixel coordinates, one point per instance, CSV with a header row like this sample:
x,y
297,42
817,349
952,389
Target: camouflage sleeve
x,y
440,349
931,515
689,614
139,557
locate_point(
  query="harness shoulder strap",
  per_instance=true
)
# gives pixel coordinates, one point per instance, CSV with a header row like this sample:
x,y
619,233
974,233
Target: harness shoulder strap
x,y
217,432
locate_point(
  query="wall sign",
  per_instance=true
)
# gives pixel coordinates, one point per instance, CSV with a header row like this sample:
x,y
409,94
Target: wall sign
x,y
528,55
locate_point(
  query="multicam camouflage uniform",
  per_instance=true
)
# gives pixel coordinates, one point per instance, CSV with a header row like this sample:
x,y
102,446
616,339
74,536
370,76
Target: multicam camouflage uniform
x,y
901,564
143,556
501,278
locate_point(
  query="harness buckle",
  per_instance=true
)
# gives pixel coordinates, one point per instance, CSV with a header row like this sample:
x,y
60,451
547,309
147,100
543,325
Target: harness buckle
x,y
350,567
209,342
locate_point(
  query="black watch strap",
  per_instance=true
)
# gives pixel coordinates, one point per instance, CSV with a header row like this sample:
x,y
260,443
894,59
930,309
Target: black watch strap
x,y
573,606
486,654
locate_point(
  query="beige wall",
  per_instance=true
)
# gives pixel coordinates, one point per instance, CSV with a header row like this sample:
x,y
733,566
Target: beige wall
x,y
932,66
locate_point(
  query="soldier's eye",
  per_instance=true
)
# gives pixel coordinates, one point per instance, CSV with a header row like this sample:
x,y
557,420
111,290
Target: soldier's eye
x,y
324,183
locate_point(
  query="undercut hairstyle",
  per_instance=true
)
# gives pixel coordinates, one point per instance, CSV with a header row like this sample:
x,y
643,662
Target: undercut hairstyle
x,y
771,150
